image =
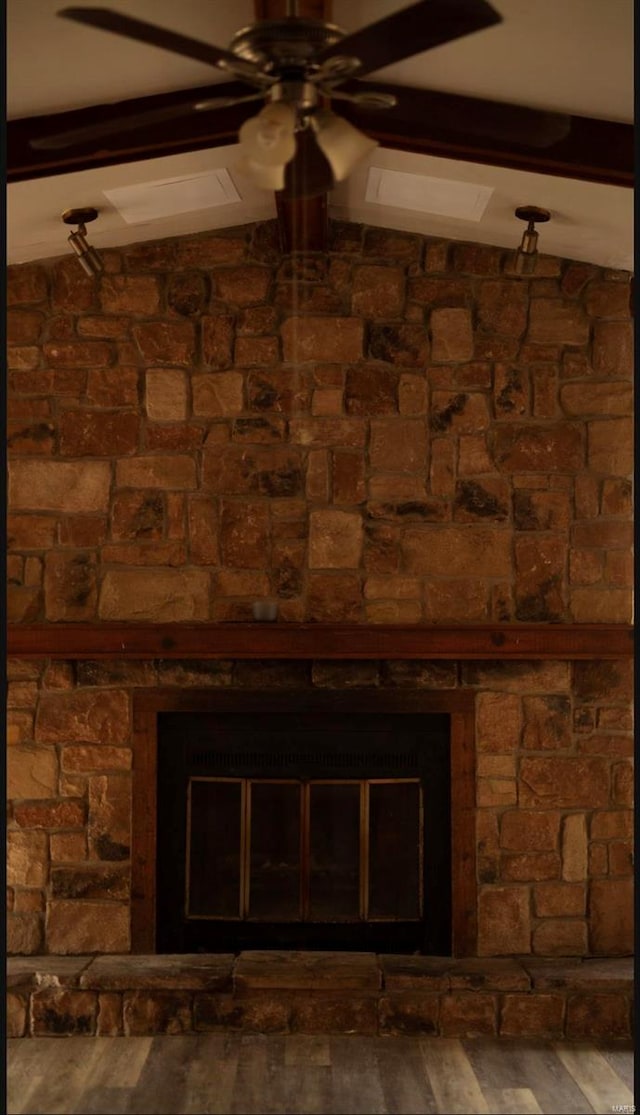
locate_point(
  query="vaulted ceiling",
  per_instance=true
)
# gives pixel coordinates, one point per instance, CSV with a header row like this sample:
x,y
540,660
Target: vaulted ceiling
x,y
571,57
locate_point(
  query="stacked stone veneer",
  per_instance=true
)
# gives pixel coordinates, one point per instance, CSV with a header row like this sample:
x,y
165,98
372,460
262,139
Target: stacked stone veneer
x,y
400,430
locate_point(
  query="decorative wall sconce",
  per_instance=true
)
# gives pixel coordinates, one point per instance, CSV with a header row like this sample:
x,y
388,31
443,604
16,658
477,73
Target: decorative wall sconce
x,y
527,253
88,257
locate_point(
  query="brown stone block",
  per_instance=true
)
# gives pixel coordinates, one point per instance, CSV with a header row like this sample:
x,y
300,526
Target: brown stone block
x,y
260,1013
50,814
525,868
620,857
423,974
258,430
540,577
335,339
612,824
316,1013
346,433
162,342
406,345
479,500
553,900
477,259
103,326
156,1012
188,294
617,497
327,401
22,694
544,385
16,1016
24,934
148,553
347,477
502,307
619,569
557,321
77,354
90,881
529,448
540,510
77,927
451,335
378,291
37,439
469,1015
82,531
167,972
380,554
137,515
408,1013
564,782
203,530
457,551
561,937
606,533
412,395
24,326
242,286
130,295
601,605
110,816
256,320
88,717
169,473
610,446
71,1013
576,276
244,534
574,848
174,438
209,251
370,389
613,348
335,540
464,600
602,681
334,596
59,486
32,772
510,392
256,351
393,611
585,567
70,585
622,788
601,743
67,847
26,283
109,1017
112,387
532,1016
30,532
607,397
462,412
598,1017
473,458
498,722
503,921
523,831
306,971
19,727
547,723
479,974
398,445
284,391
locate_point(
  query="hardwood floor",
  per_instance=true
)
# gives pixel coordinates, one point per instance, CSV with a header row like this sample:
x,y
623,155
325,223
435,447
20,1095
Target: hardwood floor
x,y
234,1074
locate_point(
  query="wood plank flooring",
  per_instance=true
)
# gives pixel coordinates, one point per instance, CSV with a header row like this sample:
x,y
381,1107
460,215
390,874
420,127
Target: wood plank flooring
x,y
238,1074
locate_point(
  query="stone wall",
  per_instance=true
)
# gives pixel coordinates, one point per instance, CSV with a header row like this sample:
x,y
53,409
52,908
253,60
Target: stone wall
x,y
399,431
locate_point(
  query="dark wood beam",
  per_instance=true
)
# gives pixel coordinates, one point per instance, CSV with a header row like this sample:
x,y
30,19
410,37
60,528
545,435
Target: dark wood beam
x,y
320,640
423,121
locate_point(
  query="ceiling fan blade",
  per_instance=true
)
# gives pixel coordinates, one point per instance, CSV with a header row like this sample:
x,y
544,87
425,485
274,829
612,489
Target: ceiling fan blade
x,y
122,124
150,33
413,30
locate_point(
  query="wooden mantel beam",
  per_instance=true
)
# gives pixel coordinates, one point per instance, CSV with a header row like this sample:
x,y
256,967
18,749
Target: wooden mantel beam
x,y
320,640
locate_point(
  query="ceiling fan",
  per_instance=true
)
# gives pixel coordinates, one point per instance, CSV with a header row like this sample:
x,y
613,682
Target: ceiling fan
x,y
296,144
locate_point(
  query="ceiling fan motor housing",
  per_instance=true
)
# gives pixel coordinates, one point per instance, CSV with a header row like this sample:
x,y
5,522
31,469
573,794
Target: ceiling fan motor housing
x,y
281,46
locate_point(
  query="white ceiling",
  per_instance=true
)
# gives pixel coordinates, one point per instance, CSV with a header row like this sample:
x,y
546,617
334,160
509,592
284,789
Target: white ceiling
x,y
569,55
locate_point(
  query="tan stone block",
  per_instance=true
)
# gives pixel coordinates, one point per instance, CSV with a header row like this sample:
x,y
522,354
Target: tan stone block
x,y
393,611
557,321
16,1017
32,772
463,600
456,551
49,814
166,395
529,867
492,792
242,286
76,927
597,398
102,757
585,567
171,595
614,824
244,534
473,458
130,294
552,900
109,824
610,446
498,722
547,723
503,921
333,340
30,532
242,582
19,727
613,348
22,694
335,540
27,859
347,433
90,717
162,342
60,486
567,782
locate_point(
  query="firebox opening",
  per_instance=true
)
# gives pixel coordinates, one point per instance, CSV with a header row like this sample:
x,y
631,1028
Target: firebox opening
x,y
306,829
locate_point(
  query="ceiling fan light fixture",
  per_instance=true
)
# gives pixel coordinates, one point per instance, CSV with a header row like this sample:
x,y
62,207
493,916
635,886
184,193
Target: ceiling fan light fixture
x,y
268,139
342,145
88,257
527,253
264,177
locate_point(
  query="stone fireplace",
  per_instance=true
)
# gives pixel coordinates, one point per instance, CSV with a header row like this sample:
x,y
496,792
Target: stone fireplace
x,y
423,458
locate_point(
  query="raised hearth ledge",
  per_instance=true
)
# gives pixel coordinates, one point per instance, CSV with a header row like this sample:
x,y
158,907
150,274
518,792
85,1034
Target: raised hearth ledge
x,y
320,640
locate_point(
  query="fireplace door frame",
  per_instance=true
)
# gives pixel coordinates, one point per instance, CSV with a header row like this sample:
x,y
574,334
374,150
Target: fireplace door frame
x,y
460,706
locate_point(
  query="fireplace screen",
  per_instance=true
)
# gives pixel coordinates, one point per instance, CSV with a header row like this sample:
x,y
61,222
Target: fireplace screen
x,y
307,830
287,850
